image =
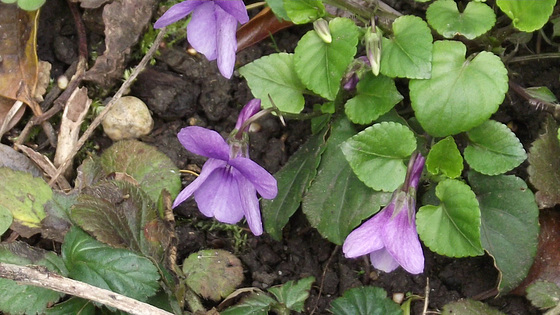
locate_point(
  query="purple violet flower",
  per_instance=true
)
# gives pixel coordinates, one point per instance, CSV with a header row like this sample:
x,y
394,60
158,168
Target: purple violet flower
x,y
229,181
212,28
390,237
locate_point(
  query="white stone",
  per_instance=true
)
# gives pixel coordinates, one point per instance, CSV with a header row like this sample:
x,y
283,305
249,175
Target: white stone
x,y
129,118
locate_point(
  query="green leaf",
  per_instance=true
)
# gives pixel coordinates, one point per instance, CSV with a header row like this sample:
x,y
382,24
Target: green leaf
x,y
122,215
375,156
30,5
304,11
293,293
6,219
365,301
544,166
510,224
543,294
213,273
73,305
445,158
453,227
25,197
115,269
277,6
57,221
293,181
26,299
337,200
320,65
541,93
376,96
461,94
444,16
274,75
527,15
469,307
153,170
408,53
254,304
493,149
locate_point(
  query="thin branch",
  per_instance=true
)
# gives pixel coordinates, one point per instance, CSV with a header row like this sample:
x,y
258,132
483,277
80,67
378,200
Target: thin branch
x,y
45,279
335,250
109,105
535,57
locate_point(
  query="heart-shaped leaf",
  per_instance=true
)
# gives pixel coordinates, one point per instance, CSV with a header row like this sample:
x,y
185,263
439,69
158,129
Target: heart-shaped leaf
x,y
408,53
461,94
453,227
510,223
544,166
274,75
477,19
445,158
115,269
493,149
527,15
375,156
321,65
213,273
376,96
365,301
337,200
153,170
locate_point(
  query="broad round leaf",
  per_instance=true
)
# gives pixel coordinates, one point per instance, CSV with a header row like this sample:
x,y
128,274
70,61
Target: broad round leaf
x,y
461,94
321,66
451,228
445,158
376,96
25,197
543,294
303,11
274,75
213,273
408,53
375,156
153,170
30,5
103,266
477,19
337,201
365,301
527,15
493,149
510,224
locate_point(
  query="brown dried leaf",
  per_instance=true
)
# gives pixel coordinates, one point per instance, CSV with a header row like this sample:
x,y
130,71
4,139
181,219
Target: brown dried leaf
x,y
19,64
544,168
261,26
124,22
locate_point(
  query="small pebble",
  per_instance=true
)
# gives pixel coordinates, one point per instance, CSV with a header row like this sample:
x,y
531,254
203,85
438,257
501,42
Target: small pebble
x,y
398,298
129,118
62,82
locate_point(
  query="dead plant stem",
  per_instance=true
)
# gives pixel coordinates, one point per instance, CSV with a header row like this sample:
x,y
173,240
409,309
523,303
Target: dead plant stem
x,y
126,84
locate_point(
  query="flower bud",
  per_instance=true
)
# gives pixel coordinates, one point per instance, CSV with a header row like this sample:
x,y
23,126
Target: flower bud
x,y
373,40
322,28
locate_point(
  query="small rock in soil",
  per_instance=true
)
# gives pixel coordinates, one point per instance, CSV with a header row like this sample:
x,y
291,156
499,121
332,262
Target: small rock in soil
x,y
128,119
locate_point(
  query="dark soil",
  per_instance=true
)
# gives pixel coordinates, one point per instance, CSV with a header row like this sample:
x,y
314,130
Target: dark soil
x,y
183,90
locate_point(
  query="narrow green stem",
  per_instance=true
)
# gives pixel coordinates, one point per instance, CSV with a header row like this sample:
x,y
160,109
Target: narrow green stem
x,y
534,57
193,301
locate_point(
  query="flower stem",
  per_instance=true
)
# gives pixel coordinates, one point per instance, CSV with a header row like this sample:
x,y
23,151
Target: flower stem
x,y
255,5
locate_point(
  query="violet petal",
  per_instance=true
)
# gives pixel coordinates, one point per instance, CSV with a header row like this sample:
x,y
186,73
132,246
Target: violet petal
x,y
381,259
236,8
401,241
226,42
264,183
250,205
367,237
250,109
207,169
177,12
204,142
219,197
202,30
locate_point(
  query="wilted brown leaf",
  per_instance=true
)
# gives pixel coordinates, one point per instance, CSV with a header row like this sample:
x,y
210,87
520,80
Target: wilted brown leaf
x,y
258,28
